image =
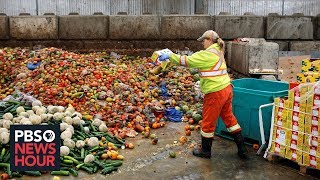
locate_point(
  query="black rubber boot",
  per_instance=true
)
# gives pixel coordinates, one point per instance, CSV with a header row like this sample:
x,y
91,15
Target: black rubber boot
x,y
205,150
242,150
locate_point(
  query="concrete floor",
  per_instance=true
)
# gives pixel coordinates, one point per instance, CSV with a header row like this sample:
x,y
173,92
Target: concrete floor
x,y
147,161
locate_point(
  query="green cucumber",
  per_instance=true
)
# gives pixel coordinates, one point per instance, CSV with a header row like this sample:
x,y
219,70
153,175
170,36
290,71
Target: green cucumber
x,y
61,173
82,152
115,163
73,172
2,154
71,159
8,108
87,169
33,173
67,161
108,170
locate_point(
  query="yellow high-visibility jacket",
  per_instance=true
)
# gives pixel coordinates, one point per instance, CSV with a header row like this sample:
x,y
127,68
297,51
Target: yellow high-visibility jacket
x,y
211,66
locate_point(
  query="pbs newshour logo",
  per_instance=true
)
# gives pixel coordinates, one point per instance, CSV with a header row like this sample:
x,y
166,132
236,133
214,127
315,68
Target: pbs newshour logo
x,y
29,136
34,147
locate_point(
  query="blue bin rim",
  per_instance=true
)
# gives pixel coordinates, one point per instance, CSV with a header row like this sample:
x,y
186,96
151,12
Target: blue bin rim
x,y
259,91
255,79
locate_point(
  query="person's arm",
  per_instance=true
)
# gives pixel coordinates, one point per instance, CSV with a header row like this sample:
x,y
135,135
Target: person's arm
x,y
198,60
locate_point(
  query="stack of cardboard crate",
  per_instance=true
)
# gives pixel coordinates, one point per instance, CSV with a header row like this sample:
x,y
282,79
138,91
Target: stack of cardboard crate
x,y
310,71
296,125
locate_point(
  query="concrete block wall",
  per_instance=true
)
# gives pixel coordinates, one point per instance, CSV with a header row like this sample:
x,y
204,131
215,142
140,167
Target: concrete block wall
x,y
153,31
289,27
184,27
307,46
134,27
4,27
317,27
256,56
231,27
283,45
33,27
83,27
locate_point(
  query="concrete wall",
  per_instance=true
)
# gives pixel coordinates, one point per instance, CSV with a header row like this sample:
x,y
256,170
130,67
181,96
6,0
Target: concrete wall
x,y
317,27
134,27
4,27
283,45
152,31
307,46
83,27
289,27
33,27
184,27
230,27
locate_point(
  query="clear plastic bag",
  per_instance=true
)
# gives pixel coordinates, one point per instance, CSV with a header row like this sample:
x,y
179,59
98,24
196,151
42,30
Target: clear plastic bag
x,y
26,99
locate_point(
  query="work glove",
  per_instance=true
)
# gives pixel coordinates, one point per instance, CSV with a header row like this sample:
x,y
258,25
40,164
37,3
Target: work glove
x,y
164,54
164,57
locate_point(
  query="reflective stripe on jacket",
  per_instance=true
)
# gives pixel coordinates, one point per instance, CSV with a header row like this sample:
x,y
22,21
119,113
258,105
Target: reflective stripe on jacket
x,y
211,65
218,68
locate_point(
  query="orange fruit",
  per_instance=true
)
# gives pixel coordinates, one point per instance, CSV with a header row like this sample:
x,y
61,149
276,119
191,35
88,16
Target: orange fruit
x,y
187,127
188,132
183,139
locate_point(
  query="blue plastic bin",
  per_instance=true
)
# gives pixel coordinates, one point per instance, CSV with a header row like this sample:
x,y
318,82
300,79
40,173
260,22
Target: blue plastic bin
x,y
248,95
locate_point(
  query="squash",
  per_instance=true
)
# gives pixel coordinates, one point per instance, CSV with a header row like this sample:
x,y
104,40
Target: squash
x,y
172,154
196,117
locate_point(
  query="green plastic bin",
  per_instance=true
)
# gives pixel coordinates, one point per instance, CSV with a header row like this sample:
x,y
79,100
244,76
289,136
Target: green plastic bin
x,y
248,95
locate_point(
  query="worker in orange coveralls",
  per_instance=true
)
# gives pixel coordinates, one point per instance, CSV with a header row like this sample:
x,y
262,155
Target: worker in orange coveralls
x,y
217,89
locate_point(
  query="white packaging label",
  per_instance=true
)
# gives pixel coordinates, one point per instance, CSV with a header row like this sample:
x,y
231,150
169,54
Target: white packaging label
x,y
293,146
314,143
313,152
317,90
314,132
313,162
277,149
295,127
294,156
316,102
296,108
315,112
294,137
281,104
295,118
282,137
315,122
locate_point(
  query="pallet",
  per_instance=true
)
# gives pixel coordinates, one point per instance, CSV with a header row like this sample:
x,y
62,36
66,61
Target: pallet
x,y
274,158
303,170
